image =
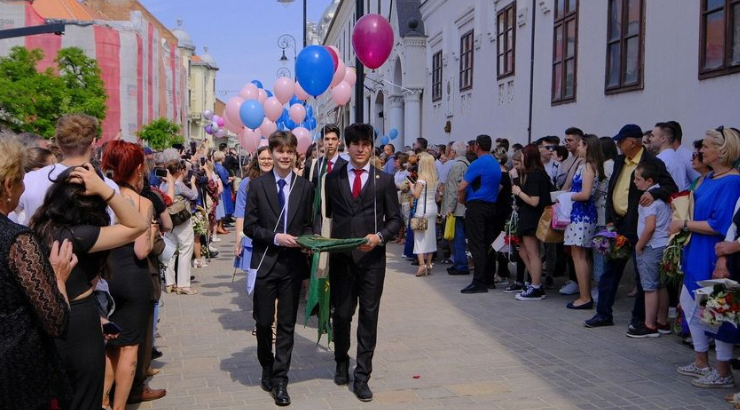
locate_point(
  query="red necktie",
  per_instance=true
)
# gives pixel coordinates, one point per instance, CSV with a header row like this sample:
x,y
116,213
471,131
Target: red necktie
x,y
328,166
357,184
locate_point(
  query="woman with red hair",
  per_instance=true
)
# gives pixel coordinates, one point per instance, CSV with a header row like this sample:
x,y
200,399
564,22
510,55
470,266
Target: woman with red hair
x,y
130,283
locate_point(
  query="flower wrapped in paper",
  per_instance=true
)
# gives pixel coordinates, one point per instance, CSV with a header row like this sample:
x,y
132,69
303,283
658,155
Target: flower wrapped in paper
x,y
670,265
719,302
611,245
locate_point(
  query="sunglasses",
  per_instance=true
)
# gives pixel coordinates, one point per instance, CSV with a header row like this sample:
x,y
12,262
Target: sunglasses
x,y
551,147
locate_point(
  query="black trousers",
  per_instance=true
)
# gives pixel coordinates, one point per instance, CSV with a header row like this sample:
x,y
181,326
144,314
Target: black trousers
x,y
351,284
480,227
283,286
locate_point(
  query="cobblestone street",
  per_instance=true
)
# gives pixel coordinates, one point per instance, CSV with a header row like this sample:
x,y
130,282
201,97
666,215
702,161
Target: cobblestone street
x,y
483,351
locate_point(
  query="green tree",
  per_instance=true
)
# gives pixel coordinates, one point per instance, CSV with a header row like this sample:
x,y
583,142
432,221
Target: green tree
x,y
161,134
84,89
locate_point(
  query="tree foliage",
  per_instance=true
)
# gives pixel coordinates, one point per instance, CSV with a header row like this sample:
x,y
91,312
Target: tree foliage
x,y
161,134
33,101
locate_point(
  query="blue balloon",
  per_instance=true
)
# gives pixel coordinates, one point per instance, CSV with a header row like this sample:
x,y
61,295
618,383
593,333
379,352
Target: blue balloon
x,y
290,124
393,133
314,69
252,114
258,83
285,116
295,100
269,93
312,123
384,139
309,111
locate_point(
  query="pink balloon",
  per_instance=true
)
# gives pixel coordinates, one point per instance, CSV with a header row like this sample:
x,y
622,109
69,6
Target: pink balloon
x,y
231,112
263,143
220,134
300,92
249,139
284,89
267,127
262,95
231,126
339,74
297,113
372,40
220,122
334,56
350,76
304,138
249,92
341,93
273,108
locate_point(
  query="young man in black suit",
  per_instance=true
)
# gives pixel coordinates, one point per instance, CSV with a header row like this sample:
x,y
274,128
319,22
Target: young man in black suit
x,y
362,202
331,159
278,211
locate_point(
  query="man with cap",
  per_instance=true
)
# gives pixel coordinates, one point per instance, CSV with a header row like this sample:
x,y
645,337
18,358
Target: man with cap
x,y
622,201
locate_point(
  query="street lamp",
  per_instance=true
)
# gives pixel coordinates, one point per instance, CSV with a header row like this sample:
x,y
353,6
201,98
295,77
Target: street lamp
x,y
286,41
284,72
288,2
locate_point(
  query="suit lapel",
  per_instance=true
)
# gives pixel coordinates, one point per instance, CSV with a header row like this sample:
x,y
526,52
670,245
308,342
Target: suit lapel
x,y
296,194
270,186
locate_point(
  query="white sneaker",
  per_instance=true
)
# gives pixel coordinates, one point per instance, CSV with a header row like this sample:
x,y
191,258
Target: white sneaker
x,y
570,288
212,249
214,239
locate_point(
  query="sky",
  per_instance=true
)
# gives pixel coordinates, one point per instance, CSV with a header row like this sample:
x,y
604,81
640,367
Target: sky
x,y
241,35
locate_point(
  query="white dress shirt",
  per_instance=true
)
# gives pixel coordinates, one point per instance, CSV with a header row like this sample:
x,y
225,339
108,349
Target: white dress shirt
x,y
363,178
286,192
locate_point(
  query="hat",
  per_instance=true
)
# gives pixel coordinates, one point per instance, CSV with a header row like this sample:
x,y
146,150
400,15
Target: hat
x,y
628,131
148,151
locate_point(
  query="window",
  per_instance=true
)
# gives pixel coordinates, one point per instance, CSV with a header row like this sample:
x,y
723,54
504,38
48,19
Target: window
x,y
720,38
506,37
437,76
624,45
564,56
466,61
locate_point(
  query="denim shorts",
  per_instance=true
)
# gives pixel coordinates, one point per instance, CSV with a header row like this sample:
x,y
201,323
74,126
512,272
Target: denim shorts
x,y
648,265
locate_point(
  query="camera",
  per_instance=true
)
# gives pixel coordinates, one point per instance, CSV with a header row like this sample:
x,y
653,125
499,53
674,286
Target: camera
x,y
202,161
160,172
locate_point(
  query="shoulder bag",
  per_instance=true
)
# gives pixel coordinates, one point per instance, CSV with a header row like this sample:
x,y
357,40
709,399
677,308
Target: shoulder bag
x,y
179,212
420,223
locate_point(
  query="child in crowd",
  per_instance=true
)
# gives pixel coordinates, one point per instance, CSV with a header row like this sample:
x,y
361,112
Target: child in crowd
x,y
652,231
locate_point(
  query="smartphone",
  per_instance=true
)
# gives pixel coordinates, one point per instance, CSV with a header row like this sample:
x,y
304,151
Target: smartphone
x,y
160,172
411,181
111,329
202,161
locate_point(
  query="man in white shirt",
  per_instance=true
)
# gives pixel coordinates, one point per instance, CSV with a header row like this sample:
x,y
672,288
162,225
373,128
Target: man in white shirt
x,y
546,146
662,140
684,153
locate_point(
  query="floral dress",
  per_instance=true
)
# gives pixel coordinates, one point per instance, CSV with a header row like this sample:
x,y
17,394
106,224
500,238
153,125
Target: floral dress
x,y
583,216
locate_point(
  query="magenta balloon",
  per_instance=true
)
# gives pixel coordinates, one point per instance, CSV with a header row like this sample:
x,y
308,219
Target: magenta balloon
x,y
231,112
350,76
304,138
300,92
341,93
372,40
220,121
334,57
297,113
249,92
339,74
267,127
273,108
261,95
284,89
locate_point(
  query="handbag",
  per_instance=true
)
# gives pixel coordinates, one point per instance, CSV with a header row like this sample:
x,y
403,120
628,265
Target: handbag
x,y
558,221
545,232
420,223
179,212
450,228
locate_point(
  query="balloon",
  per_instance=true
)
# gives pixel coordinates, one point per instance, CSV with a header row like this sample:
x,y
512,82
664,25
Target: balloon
x,y
284,117
273,108
261,95
339,75
267,127
311,123
341,93
269,93
290,124
231,112
252,113
215,127
334,57
304,138
297,112
208,129
294,100
249,139
220,122
249,92
258,83
300,93
208,114
393,133
284,89
231,126
314,69
263,143
350,76
372,40
384,139
220,134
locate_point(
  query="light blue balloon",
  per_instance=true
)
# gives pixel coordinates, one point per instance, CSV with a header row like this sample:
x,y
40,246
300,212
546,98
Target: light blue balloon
x,y
258,83
393,133
252,114
384,139
314,69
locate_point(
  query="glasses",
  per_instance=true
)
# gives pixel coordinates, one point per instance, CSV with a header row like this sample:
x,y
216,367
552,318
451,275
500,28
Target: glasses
x,y
265,159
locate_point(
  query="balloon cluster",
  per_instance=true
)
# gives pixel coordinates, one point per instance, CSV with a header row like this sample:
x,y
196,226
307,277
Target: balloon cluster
x,y
216,124
386,139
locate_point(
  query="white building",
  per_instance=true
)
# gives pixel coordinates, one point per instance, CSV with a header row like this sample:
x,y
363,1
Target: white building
x,y
597,64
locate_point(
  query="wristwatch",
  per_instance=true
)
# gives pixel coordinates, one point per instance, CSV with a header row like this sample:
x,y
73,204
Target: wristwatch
x,y
380,236
685,226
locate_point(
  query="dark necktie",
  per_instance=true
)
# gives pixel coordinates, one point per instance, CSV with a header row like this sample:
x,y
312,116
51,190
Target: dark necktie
x,y
357,184
328,166
281,195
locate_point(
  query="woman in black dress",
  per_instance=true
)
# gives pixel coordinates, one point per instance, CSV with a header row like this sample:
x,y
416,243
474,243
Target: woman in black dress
x,y
532,196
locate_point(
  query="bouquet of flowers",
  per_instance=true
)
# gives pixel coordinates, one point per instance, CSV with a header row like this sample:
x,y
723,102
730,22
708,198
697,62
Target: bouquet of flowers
x,y
511,227
719,303
199,223
611,245
670,264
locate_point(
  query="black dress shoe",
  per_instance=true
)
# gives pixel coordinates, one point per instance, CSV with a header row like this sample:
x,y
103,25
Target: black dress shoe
x,y
362,391
280,394
456,272
266,381
156,354
474,289
341,377
598,321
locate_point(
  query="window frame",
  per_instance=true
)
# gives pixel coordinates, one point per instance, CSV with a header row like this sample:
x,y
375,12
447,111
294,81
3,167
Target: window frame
x,y
467,37
726,67
622,41
437,71
502,37
561,23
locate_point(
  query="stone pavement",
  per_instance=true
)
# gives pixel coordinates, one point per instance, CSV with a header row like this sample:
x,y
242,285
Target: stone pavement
x,y
483,351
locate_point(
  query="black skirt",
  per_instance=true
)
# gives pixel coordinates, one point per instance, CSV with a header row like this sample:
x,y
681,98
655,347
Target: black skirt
x,y
131,287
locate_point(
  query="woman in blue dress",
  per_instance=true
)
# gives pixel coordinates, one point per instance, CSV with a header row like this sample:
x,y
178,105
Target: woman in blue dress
x,y
260,164
714,202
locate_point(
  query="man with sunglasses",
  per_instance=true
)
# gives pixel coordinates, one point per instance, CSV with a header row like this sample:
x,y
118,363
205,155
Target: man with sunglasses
x,y
547,146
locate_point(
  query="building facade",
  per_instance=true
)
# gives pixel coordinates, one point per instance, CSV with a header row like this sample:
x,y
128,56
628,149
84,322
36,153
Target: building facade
x,y
522,69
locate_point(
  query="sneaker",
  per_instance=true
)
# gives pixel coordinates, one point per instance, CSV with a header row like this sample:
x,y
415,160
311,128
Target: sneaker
x,y
515,288
713,380
531,293
641,332
693,370
214,239
570,288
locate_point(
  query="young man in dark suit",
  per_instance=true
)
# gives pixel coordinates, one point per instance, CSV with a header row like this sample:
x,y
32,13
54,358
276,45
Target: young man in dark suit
x,y
278,211
362,202
331,159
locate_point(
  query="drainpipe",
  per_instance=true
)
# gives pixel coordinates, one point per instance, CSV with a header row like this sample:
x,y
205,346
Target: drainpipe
x,y
531,73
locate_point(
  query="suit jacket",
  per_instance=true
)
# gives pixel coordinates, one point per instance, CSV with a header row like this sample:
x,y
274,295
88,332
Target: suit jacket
x,y
356,218
263,209
449,199
313,174
667,188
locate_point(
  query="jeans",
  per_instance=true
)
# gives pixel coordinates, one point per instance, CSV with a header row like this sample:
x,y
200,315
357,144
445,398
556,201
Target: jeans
x,y
609,284
459,257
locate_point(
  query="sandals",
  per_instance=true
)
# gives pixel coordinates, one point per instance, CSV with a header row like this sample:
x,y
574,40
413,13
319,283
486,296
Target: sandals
x,y
187,291
421,271
733,398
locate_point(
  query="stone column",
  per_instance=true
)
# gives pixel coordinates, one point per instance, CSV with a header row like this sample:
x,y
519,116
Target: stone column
x,y
412,116
396,119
